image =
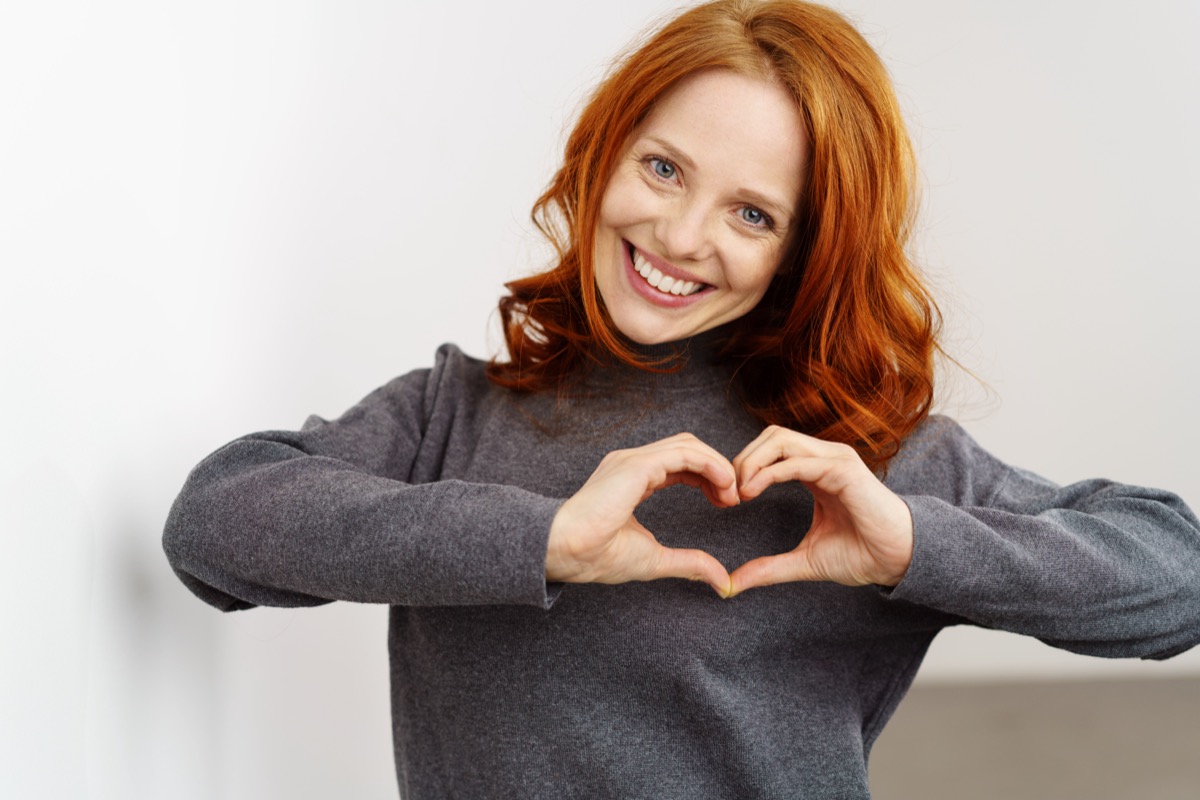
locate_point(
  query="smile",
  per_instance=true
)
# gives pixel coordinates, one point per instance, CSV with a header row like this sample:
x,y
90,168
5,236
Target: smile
x,y
664,284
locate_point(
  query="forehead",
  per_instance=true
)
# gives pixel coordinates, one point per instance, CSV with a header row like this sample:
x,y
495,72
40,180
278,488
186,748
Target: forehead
x,y
735,128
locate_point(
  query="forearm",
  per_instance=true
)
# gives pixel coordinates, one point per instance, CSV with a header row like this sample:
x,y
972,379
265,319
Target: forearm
x,y
1114,571
263,523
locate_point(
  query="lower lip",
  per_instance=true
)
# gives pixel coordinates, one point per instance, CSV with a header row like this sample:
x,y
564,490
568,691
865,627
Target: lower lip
x,y
649,292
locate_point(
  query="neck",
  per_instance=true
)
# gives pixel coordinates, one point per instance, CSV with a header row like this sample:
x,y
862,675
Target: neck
x,y
689,363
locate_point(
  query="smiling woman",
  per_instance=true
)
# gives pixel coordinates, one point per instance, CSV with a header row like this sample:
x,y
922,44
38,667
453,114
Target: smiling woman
x,y
795,113
731,310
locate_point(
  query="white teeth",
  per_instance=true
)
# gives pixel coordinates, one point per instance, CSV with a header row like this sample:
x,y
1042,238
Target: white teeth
x,y
640,264
664,283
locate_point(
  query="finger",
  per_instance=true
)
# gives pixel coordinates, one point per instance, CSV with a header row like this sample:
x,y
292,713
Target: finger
x,y
740,459
779,443
824,466
670,461
717,470
816,472
694,565
763,435
774,444
721,498
770,570
644,473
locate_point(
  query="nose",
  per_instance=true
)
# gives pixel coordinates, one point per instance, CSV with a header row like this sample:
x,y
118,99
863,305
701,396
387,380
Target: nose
x,y
685,232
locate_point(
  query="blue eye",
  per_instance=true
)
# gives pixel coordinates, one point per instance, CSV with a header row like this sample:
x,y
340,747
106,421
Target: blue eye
x,y
755,217
663,169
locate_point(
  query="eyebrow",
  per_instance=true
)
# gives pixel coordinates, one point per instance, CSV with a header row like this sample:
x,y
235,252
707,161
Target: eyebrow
x,y
777,208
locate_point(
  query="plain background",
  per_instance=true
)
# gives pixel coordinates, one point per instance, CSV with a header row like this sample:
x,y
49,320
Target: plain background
x,y
221,217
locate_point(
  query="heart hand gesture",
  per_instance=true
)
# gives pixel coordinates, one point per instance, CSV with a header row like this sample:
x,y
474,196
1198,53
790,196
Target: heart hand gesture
x,y
861,532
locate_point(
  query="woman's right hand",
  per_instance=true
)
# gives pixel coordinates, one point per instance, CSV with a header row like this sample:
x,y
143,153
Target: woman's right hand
x,y
595,538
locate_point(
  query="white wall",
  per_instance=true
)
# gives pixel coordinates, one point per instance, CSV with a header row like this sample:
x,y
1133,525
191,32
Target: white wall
x,y
220,217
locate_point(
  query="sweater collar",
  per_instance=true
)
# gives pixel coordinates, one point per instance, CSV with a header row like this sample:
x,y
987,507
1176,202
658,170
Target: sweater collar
x,y
691,363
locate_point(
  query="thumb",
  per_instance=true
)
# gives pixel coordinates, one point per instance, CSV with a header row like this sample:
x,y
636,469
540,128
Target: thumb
x,y
694,565
769,570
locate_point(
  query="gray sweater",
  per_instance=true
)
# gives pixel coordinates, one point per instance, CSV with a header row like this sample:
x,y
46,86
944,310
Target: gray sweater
x,y
435,495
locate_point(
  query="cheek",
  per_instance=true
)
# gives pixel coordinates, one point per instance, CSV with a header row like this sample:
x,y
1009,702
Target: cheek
x,y
624,202
757,269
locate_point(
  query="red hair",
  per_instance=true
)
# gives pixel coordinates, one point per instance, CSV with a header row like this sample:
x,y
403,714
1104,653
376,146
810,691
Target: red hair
x,y
842,345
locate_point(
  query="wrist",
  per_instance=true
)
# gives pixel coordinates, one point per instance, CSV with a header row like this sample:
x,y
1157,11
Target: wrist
x,y
557,557
901,551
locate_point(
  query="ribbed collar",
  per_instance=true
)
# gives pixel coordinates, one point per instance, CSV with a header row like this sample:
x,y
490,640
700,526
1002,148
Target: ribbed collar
x,y
697,357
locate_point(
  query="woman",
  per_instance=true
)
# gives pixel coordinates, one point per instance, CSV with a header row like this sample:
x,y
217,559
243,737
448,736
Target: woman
x,y
732,310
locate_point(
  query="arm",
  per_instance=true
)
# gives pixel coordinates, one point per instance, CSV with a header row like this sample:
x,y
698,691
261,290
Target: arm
x,y
357,509
333,512
1095,567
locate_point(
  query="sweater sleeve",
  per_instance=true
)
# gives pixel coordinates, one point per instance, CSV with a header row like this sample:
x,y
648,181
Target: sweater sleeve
x,y
1095,567
332,512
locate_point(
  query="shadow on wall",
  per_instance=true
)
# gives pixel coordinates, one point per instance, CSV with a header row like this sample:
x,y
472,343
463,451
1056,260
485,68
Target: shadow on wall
x,y
46,573
109,678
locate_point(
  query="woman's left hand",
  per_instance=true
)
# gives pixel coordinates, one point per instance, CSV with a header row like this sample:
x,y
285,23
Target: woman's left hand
x,y
861,531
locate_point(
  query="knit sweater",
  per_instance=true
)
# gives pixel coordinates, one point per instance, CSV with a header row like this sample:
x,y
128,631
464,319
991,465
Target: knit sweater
x,y
435,495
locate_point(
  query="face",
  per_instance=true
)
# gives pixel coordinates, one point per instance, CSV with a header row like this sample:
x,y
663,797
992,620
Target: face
x,y
695,218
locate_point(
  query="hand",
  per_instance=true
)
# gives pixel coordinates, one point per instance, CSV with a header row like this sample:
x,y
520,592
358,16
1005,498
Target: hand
x,y
594,537
861,532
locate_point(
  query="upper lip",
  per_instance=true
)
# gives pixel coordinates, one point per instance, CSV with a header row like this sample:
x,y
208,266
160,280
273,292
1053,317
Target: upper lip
x,y
666,267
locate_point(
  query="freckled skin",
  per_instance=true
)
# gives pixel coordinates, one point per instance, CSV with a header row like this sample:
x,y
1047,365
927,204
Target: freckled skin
x,y
690,190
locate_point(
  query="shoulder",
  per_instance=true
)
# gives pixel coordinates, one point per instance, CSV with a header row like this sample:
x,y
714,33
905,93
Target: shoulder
x,y
453,379
458,392
941,459
451,364
456,376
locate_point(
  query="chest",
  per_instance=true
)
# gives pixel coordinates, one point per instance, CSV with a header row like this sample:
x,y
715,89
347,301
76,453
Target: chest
x,y
551,447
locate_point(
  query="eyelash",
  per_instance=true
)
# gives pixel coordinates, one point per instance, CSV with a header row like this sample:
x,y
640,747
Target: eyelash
x,y
767,224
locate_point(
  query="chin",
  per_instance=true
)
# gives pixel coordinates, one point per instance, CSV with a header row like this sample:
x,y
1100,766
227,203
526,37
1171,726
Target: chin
x,y
645,332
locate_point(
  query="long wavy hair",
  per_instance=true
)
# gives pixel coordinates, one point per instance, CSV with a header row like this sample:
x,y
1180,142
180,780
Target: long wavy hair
x,y
842,344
